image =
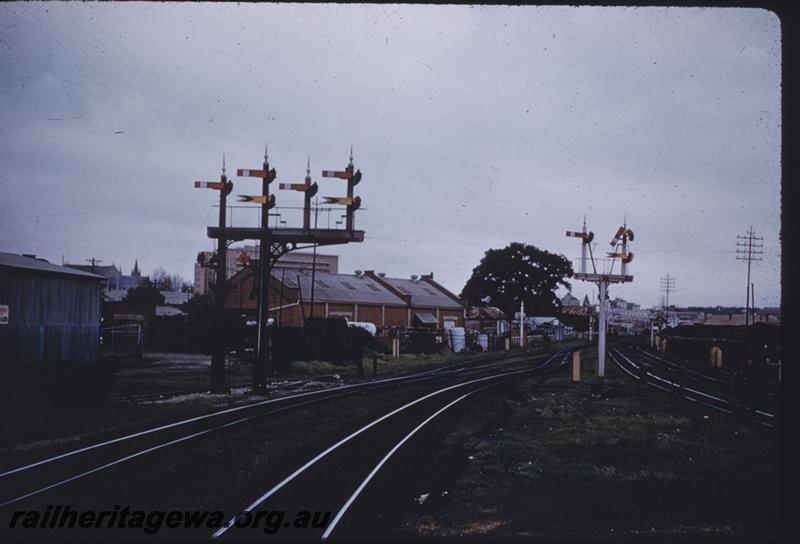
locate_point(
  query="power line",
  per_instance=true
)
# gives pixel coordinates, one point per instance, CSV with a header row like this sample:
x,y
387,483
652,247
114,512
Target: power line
x,y
667,286
748,248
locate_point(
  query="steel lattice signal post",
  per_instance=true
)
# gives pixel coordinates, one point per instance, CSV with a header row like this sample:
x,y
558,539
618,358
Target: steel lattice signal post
x,y
276,242
620,245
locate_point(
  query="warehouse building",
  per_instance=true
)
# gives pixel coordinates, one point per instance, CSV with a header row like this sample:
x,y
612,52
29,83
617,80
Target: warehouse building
x,y
47,312
418,302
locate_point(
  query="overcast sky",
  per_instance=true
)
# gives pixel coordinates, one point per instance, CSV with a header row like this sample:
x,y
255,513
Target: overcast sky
x,y
474,126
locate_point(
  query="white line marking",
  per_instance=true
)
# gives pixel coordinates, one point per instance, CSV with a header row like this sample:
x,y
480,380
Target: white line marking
x,y
319,456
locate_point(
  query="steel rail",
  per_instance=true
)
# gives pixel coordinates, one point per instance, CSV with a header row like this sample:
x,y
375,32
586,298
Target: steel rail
x,y
686,392
397,446
682,367
321,396
348,438
204,417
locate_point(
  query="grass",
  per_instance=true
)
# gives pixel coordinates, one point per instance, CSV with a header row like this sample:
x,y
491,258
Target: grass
x,y
558,460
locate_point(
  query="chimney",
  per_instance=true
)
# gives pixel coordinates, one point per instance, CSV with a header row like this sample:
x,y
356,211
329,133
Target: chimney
x,y
414,277
381,274
359,273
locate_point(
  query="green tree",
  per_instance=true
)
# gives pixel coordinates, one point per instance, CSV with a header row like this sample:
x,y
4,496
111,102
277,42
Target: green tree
x,y
518,272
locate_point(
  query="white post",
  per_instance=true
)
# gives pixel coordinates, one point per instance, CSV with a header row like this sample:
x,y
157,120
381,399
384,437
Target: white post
x,y
522,324
601,332
651,334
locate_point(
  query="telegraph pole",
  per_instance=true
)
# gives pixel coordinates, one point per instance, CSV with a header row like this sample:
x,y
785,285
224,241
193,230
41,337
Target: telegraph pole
x,y
667,286
94,261
748,248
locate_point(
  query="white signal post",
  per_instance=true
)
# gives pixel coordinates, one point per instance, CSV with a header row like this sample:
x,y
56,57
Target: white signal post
x,y
602,280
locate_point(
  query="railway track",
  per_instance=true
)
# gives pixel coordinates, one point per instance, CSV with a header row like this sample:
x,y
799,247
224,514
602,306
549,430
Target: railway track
x,y
337,477
33,481
688,383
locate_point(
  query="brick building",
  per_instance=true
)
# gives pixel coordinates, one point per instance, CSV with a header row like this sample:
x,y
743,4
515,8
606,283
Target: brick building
x,y
419,302
204,277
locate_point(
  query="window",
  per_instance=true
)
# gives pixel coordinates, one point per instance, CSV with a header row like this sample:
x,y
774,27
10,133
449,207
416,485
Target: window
x,y
429,291
403,290
348,285
321,283
372,286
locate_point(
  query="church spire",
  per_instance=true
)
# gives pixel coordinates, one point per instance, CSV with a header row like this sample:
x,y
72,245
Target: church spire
x,y
135,271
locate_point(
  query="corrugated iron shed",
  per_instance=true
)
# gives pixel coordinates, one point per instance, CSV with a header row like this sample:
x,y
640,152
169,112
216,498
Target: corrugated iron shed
x,y
53,312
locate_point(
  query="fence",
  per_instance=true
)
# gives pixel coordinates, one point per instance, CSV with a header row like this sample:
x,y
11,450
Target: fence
x,y
122,340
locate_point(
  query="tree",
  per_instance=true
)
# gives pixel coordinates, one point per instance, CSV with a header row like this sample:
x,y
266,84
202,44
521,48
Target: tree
x,y
518,272
146,293
168,282
161,279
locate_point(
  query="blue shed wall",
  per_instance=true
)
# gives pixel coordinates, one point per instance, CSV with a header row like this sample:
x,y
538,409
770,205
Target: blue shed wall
x,y
51,318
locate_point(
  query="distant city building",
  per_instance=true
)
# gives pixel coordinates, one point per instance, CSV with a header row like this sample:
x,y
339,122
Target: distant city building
x,y
113,276
627,316
204,276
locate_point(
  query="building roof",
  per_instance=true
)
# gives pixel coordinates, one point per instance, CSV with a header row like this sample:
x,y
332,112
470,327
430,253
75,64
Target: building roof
x,y
21,262
423,293
488,313
105,271
341,288
575,310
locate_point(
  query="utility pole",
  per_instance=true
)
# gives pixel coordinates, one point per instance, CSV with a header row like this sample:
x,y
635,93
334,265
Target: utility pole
x,y
667,286
748,248
94,261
